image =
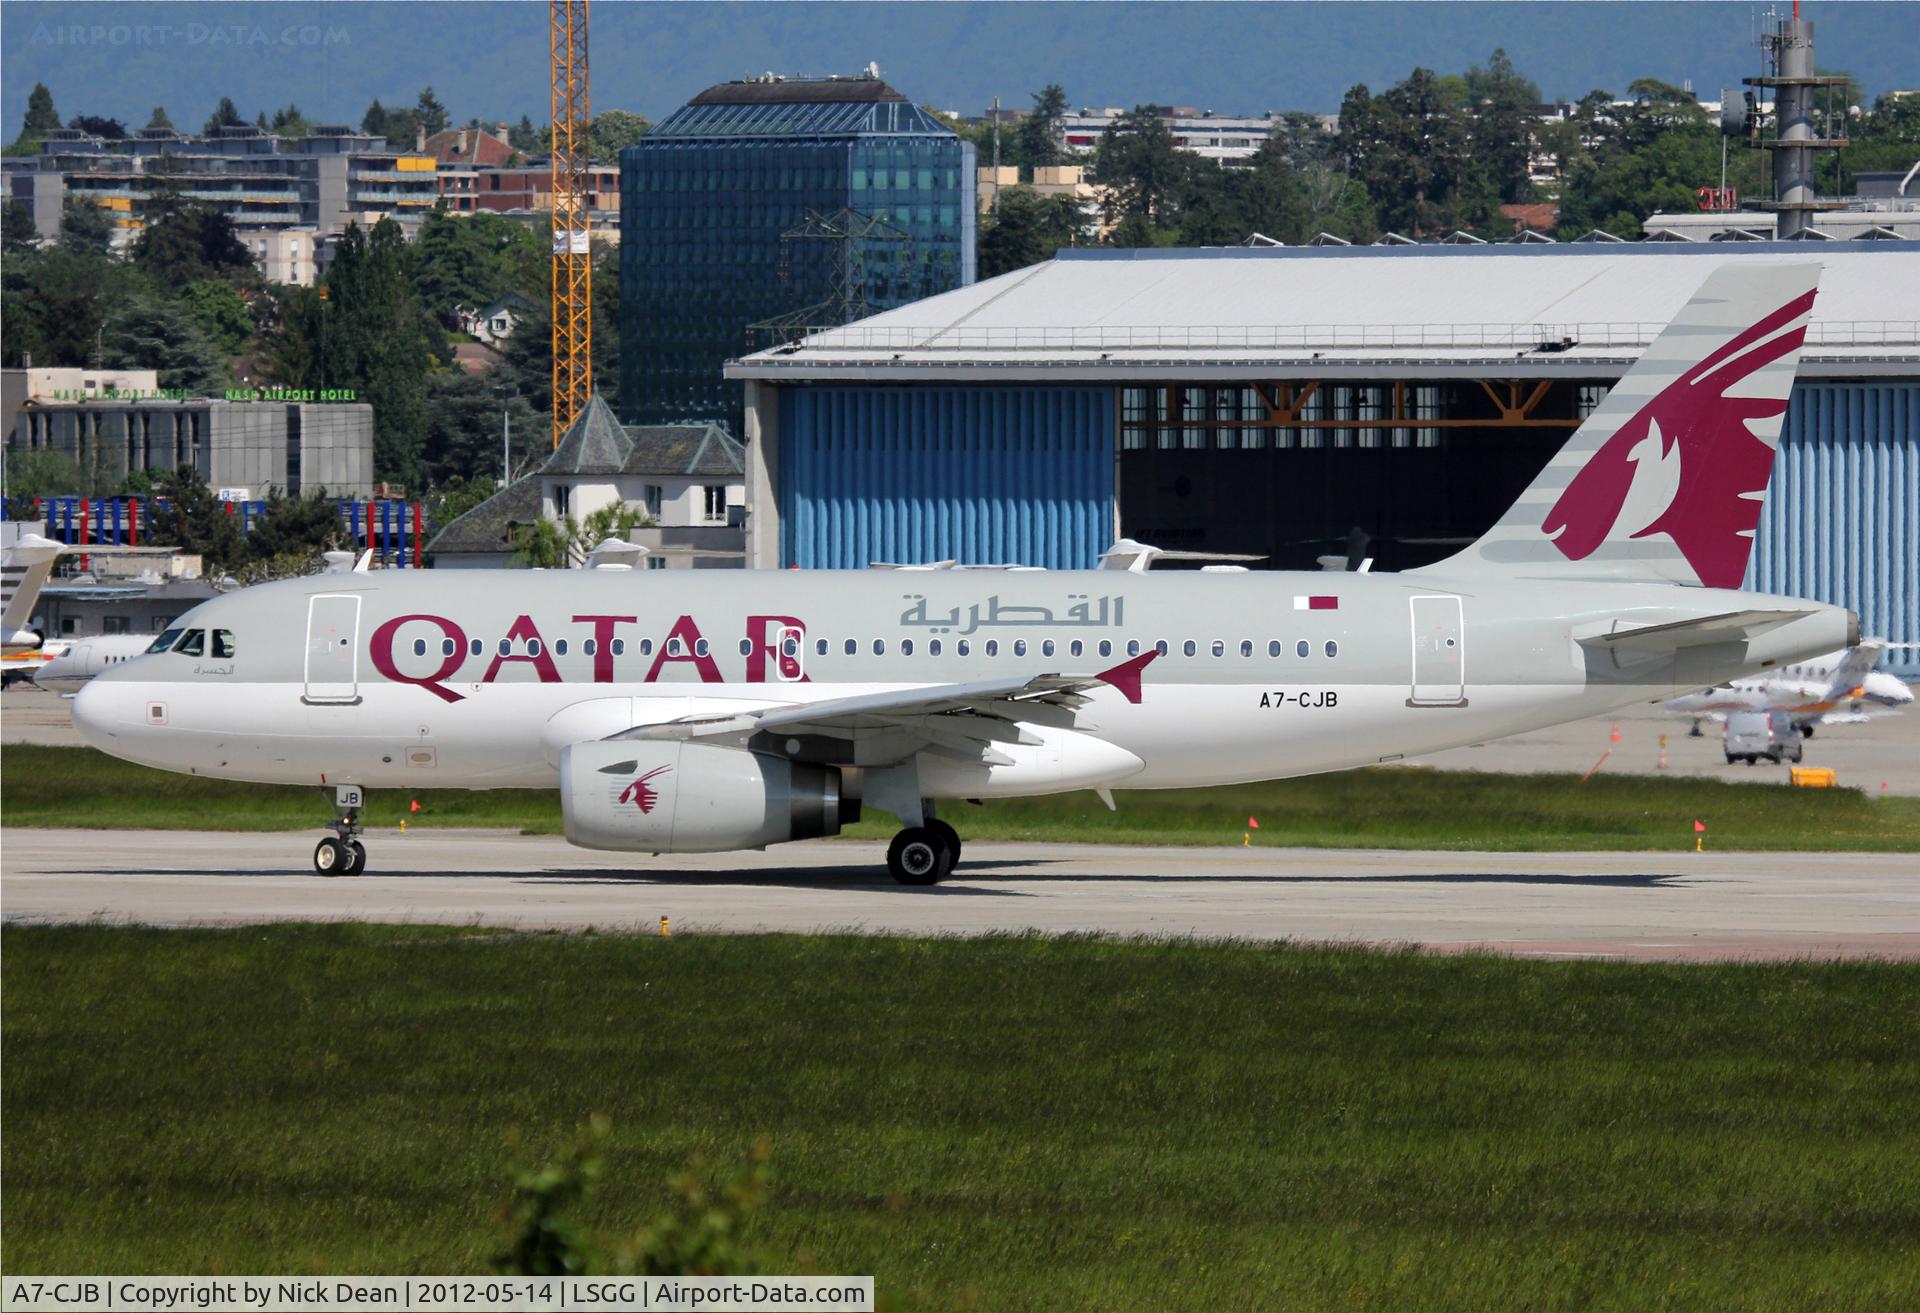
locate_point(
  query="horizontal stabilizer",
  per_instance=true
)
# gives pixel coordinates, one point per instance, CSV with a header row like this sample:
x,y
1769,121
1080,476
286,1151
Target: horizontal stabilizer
x,y
1727,627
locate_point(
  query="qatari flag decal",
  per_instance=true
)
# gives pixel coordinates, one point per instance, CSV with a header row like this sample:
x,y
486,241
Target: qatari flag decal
x,y
1316,603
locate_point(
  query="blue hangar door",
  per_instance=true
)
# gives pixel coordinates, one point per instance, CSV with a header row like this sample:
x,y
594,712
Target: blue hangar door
x,y
984,475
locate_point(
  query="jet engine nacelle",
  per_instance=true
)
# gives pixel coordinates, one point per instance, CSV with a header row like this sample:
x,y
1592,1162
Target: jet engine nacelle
x,y
657,797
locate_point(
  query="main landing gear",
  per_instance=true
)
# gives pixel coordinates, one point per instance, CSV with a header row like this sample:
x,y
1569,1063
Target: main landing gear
x,y
343,854
923,854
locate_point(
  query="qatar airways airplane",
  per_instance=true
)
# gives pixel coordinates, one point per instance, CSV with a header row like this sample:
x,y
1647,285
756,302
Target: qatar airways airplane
x,y
722,710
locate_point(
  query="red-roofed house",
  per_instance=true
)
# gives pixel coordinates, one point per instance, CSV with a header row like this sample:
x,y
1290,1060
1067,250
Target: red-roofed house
x,y
462,151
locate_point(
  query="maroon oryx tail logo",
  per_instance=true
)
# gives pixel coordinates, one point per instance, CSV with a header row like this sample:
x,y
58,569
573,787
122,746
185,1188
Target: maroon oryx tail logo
x,y
1722,464
640,793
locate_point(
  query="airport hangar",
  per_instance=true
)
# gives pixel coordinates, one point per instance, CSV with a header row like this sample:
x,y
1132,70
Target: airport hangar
x,y
1269,400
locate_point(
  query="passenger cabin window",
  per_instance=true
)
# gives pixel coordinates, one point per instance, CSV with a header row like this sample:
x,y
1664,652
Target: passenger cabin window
x,y
1106,647
194,644
1019,647
879,647
993,647
475,647
1075,648
965,647
166,640
1219,648
1333,648
619,646
1246,647
906,647
590,647
1046,647
1302,647
1188,648
559,647
1133,647
1273,647
852,646
933,647
820,647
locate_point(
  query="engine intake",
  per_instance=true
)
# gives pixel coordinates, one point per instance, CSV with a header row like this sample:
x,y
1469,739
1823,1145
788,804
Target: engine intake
x,y
630,796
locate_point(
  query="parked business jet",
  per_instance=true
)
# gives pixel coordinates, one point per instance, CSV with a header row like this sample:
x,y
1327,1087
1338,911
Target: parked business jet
x,y
723,710
83,658
1826,690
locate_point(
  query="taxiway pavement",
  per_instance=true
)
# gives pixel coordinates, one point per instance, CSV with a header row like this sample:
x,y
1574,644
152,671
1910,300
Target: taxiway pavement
x,y
1678,906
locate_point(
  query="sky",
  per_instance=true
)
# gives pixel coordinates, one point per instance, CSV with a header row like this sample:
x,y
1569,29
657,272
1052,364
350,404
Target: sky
x,y
490,59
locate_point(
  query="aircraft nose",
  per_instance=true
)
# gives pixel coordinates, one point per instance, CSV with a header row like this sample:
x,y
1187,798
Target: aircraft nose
x,y
104,710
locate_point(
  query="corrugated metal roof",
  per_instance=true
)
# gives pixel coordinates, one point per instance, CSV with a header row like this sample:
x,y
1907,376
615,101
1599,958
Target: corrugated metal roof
x,y
1546,308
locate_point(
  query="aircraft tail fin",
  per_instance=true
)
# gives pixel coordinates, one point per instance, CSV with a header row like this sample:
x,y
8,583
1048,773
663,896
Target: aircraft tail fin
x,y
1853,669
27,565
1667,477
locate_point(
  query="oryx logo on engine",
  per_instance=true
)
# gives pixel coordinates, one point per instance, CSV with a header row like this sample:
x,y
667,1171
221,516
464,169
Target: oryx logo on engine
x,y
641,794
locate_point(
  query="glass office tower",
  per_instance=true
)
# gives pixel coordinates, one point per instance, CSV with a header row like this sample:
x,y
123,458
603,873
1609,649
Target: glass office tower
x,y
707,196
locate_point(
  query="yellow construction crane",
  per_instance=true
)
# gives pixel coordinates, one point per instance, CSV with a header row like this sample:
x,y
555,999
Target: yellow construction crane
x,y
572,258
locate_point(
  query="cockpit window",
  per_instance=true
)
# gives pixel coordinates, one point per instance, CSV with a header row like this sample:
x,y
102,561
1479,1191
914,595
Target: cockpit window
x,y
168,637
223,642
194,644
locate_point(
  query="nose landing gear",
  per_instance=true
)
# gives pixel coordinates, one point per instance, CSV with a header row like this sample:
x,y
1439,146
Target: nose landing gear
x,y
343,854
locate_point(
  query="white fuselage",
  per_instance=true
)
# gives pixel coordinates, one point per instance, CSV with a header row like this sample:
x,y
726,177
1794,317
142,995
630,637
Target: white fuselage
x,y
476,679
66,670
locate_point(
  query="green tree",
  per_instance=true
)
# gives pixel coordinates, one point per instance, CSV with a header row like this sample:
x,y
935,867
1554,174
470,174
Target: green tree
x,y
368,333
221,313
147,332
44,473
1027,229
527,357
374,121
95,125
289,122
159,119
1145,176
463,438
1037,146
18,236
85,228
614,129
41,117
429,113
298,527
190,243
525,137
56,303
472,261
193,519
1502,106
225,115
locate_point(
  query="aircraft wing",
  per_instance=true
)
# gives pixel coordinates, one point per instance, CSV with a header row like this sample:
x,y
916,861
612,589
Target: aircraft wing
x,y
1727,627
966,717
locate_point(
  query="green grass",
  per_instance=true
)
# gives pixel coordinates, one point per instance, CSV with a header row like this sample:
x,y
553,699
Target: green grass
x,y
1029,1123
1385,808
